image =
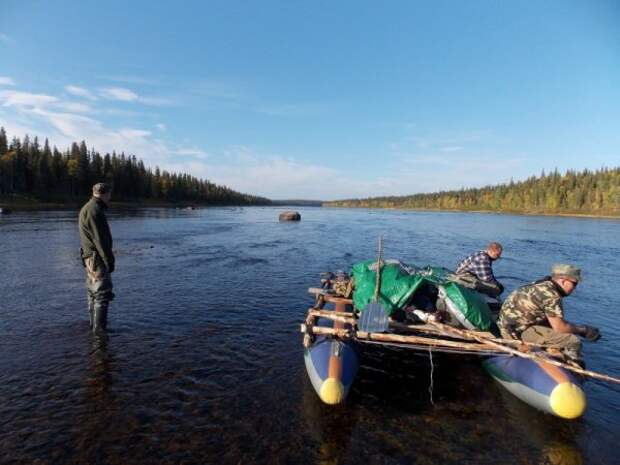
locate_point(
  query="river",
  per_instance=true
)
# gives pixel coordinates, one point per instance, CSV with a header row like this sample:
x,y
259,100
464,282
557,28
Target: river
x,y
203,361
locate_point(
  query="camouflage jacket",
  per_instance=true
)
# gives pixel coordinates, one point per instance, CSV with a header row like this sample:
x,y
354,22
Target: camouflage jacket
x,y
530,305
95,236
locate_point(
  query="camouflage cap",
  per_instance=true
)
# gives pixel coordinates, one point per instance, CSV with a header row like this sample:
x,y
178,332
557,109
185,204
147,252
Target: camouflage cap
x,y
101,188
566,271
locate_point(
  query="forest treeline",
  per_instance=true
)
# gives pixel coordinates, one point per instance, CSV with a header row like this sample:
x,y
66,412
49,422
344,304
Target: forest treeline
x,y
574,192
31,170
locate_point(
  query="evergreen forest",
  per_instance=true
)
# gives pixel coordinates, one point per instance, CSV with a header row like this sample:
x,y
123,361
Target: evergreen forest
x,y
574,192
45,174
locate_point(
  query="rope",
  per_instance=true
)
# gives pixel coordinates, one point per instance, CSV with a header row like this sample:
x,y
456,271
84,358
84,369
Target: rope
x,y
430,387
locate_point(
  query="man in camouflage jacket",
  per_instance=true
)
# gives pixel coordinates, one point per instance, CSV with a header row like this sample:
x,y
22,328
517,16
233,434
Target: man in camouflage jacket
x,y
97,255
534,313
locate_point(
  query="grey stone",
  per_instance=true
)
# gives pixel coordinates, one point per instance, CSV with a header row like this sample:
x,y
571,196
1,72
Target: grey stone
x,y
290,216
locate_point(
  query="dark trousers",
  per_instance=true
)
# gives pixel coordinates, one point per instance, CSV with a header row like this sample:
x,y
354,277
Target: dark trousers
x,y
99,293
490,289
569,343
470,280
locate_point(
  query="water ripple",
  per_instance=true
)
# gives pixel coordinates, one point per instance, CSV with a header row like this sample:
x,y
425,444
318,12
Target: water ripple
x,y
203,360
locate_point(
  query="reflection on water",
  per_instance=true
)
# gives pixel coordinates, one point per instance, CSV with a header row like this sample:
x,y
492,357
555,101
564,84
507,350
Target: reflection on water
x,y
203,361
98,398
330,429
561,454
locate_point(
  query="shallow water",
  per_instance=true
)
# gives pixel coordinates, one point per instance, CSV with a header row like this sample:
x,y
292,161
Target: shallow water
x,y
203,361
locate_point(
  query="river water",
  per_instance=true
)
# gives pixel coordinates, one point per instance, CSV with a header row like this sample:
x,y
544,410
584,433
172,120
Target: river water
x,y
203,361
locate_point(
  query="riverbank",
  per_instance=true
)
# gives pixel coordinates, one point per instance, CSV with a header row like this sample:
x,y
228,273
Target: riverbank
x,y
573,214
28,204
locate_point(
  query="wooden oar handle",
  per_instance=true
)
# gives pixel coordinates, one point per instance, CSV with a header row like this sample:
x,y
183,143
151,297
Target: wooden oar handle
x,y
378,283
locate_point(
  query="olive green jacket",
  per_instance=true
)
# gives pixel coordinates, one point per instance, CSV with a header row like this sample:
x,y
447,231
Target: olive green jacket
x,y
95,236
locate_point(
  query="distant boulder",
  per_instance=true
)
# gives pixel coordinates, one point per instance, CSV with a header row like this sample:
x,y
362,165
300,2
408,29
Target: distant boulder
x,y
290,216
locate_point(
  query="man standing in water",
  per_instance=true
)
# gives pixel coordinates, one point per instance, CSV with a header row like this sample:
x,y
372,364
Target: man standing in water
x,y
534,313
477,269
97,255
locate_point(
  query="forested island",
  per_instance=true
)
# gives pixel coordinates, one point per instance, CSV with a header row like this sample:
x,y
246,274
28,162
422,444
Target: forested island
x,y
32,174
573,193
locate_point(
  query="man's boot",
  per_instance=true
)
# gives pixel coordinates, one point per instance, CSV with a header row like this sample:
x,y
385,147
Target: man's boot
x,y
100,318
91,310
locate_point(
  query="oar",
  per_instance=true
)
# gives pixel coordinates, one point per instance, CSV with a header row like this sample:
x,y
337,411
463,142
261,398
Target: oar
x,y
488,341
374,318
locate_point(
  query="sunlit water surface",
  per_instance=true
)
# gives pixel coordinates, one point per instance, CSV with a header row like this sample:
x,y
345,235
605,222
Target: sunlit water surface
x,y
204,364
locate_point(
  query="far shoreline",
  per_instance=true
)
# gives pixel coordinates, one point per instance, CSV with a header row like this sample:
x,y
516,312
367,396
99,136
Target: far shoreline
x,y
605,215
32,205
19,206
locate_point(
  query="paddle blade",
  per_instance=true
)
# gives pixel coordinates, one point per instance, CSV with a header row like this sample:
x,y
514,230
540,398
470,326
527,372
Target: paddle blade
x,y
373,319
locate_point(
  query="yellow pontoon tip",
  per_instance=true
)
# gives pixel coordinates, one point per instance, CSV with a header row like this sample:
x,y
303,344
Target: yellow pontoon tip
x,y
567,400
332,391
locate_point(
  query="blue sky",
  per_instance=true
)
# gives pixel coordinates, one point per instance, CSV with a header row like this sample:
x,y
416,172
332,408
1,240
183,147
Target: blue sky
x,y
321,100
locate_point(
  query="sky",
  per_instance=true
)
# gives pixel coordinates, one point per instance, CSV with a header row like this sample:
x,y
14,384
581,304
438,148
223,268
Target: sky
x,y
321,100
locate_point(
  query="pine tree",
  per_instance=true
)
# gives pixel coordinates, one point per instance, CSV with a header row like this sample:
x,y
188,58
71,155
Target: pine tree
x,y
25,168
4,148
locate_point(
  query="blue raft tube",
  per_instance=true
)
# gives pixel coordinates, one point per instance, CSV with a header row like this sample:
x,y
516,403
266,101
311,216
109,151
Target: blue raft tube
x,y
331,363
542,385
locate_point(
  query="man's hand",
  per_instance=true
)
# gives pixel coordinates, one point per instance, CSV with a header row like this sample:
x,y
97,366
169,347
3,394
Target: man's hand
x,y
590,333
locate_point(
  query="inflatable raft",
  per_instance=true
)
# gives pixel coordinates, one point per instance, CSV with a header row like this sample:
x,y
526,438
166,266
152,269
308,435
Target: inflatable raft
x,y
331,365
544,386
332,362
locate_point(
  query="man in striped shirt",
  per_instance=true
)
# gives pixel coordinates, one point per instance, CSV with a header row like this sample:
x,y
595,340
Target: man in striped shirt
x,y
477,268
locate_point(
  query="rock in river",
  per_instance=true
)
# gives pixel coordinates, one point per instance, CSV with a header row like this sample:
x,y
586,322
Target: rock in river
x,y
290,216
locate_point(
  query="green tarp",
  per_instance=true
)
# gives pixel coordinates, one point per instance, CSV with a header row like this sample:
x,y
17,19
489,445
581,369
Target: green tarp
x,y
471,309
397,286
399,283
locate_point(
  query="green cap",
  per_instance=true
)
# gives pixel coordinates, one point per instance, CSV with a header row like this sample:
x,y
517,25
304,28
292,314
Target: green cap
x,y
563,270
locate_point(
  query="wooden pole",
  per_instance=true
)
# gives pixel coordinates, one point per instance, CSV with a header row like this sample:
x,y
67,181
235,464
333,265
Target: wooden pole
x,y
387,337
378,283
330,314
342,317
537,358
438,329
467,334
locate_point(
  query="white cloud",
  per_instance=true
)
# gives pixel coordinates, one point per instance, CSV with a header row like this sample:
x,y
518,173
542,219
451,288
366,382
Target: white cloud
x,y
118,93
244,169
122,94
12,98
6,81
191,152
133,133
81,92
61,121
70,125
6,39
274,177
74,107
15,128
